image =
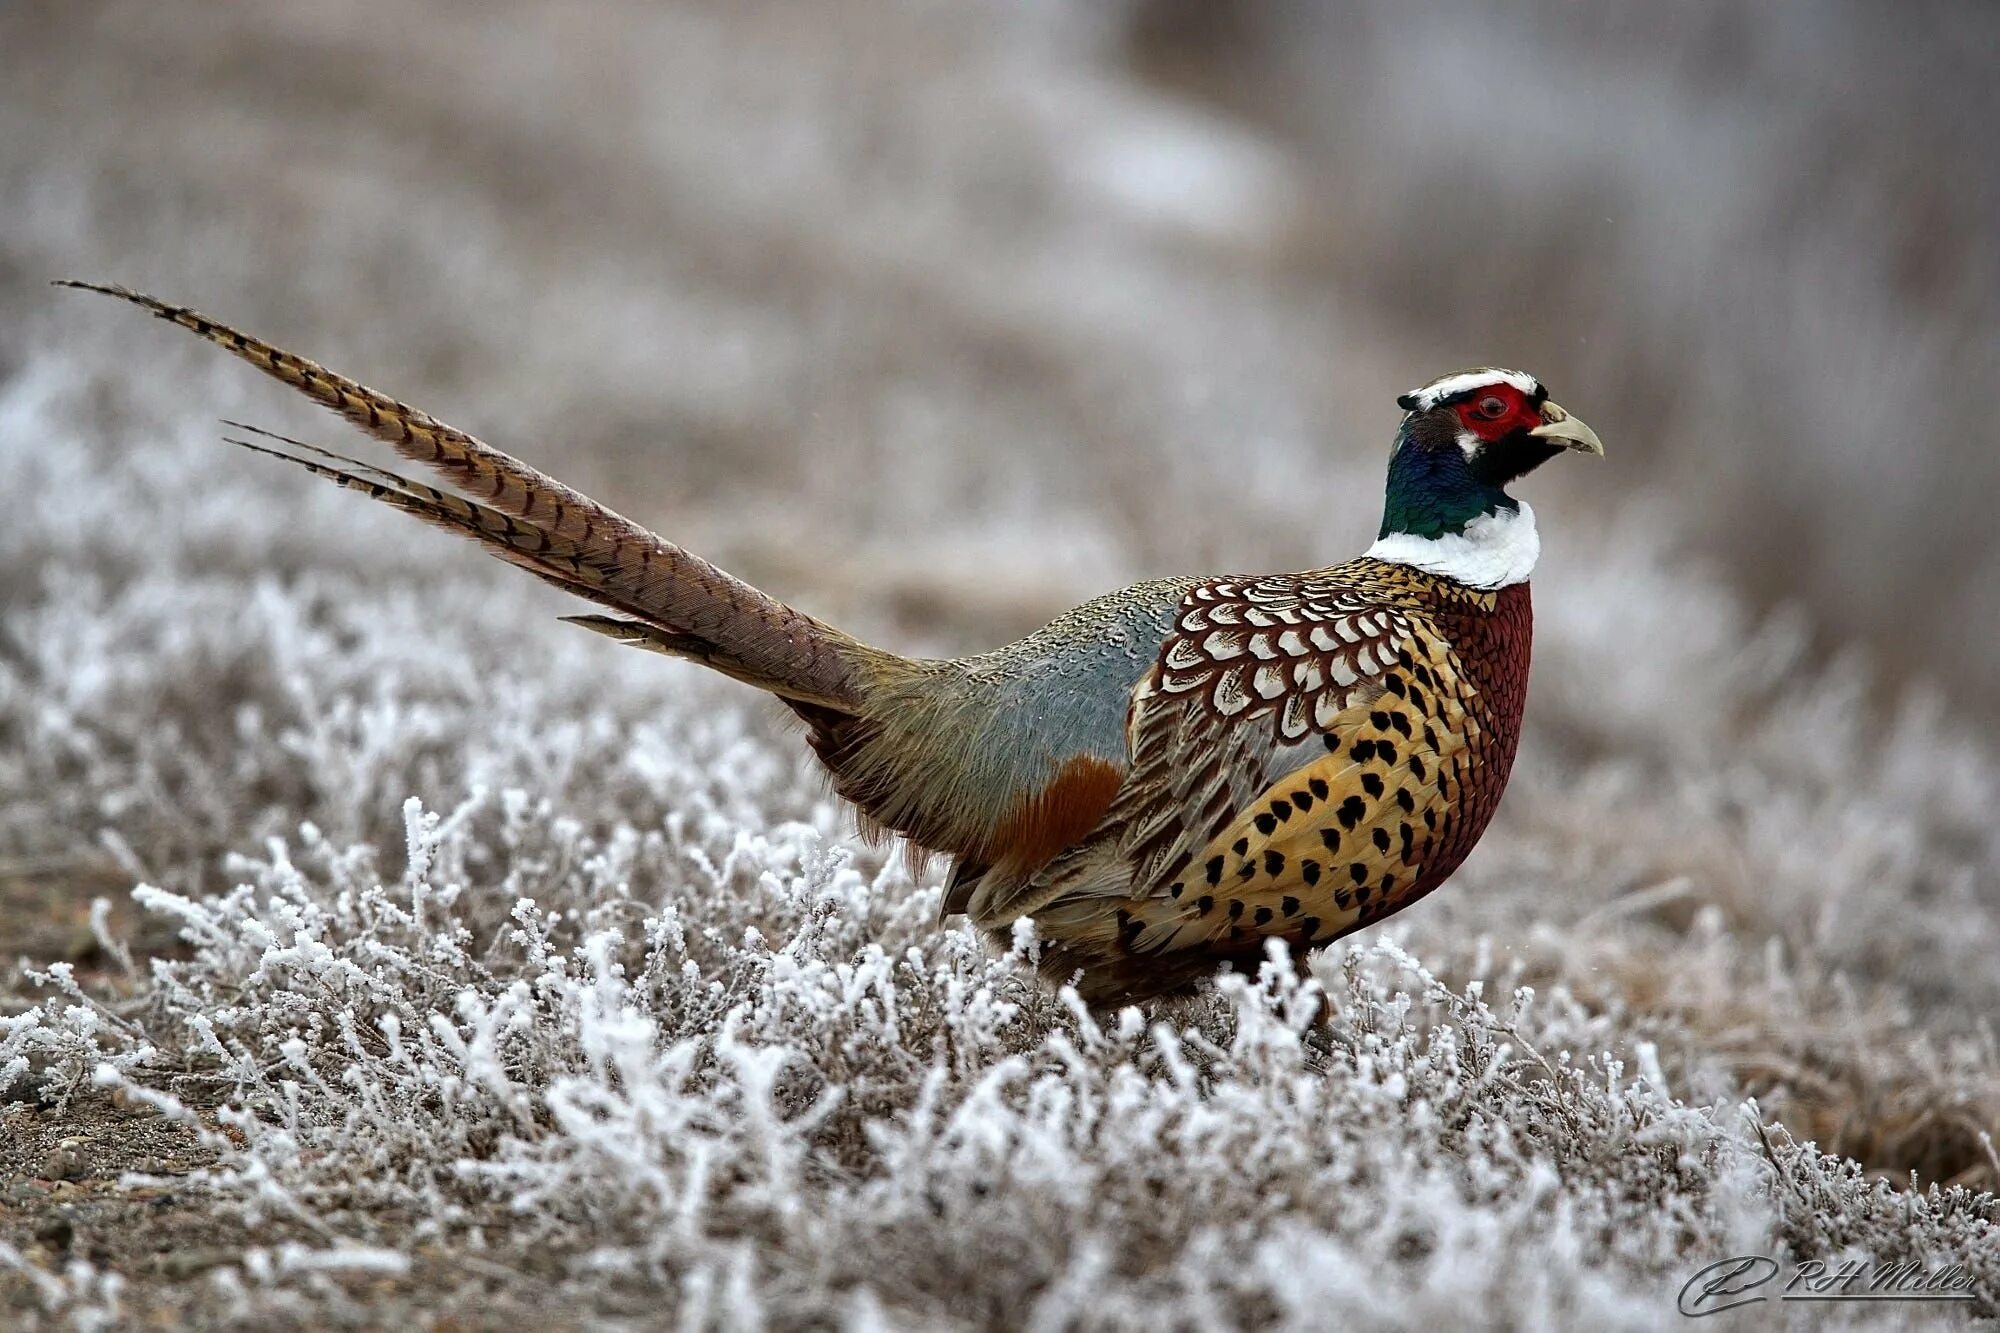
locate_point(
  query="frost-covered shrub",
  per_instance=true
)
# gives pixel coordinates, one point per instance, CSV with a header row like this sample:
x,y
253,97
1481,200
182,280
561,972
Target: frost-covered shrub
x,y
780,1087
487,968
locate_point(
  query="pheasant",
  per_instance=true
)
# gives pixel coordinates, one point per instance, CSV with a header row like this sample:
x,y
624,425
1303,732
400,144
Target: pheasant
x,y
1163,779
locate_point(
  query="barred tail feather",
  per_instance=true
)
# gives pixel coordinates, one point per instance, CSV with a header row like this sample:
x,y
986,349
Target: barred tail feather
x,y
515,543
532,520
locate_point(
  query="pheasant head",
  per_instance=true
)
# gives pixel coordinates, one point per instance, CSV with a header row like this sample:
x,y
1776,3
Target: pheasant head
x,y
1464,439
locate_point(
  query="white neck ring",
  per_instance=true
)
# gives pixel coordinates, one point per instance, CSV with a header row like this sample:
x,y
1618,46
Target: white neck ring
x,y
1496,550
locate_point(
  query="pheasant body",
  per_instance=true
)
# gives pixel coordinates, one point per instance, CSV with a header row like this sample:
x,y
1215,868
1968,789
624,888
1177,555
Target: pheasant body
x,y
1310,753
1165,778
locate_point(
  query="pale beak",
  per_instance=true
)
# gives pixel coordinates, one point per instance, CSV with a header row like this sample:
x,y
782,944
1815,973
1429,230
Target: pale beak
x,y
1566,430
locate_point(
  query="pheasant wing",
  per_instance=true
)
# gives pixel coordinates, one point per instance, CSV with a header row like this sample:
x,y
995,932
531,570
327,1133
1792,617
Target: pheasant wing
x,y
1255,672
1288,750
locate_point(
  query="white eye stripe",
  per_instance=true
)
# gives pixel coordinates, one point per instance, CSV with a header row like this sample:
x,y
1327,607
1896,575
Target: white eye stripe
x,y
1430,395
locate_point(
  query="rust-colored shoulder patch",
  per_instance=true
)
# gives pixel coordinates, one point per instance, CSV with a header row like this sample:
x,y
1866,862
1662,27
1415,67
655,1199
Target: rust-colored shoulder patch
x,y
1059,816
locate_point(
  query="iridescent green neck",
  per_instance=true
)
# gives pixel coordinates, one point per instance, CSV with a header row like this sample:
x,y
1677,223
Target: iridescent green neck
x,y
1434,492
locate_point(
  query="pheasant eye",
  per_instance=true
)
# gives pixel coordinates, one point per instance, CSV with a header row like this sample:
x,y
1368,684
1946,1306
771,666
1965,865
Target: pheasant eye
x,y
1492,408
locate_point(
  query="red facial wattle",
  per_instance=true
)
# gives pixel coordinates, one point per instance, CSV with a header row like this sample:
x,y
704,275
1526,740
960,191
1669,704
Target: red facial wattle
x,y
1498,411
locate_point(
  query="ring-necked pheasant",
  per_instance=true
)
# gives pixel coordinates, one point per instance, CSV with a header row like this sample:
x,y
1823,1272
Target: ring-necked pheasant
x,y
1162,778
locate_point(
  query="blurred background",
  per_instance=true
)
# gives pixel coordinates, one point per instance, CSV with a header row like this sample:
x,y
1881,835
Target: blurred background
x,y
953,312
936,318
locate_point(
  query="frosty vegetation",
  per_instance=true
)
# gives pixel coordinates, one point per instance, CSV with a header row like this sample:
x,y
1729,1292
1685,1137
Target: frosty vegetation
x,y
487,968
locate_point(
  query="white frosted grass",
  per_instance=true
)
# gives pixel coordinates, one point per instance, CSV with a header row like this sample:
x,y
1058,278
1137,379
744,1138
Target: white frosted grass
x,y
618,988
634,1002
505,950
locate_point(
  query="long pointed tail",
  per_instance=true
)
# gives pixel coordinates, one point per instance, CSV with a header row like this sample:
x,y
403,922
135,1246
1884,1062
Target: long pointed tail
x,y
678,602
